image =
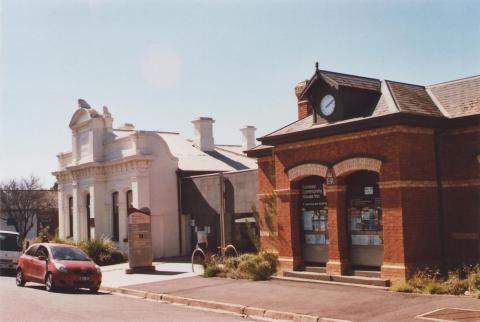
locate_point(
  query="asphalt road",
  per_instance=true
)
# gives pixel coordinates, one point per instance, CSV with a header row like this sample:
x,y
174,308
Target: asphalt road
x,y
33,303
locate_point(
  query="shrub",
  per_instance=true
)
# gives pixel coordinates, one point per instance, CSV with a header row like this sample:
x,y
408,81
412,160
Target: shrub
x,y
434,287
402,287
257,267
422,278
102,250
58,240
455,285
474,282
211,270
460,280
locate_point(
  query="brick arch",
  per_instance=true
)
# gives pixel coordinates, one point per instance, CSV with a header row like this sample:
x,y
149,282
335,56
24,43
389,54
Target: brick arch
x,y
351,165
305,170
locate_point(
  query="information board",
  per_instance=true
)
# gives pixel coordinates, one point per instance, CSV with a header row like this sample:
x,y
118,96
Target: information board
x,y
139,238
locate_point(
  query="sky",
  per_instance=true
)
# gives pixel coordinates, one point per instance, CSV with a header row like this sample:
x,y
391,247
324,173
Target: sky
x,y
161,64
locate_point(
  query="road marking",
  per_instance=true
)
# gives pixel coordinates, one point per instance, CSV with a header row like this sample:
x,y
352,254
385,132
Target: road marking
x,y
456,311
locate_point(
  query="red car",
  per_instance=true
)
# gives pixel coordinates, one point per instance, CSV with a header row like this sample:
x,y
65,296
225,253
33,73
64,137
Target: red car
x,y
58,266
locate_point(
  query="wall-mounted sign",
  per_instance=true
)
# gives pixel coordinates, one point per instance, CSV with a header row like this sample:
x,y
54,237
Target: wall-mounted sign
x,y
139,240
329,178
369,190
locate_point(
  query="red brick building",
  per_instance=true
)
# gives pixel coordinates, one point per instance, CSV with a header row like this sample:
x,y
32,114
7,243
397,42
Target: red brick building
x,y
374,174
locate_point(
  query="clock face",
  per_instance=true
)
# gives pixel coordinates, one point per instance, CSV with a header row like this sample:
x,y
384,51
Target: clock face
x,y
327,105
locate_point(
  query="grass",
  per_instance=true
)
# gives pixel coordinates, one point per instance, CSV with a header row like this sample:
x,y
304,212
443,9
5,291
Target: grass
x,y
462,280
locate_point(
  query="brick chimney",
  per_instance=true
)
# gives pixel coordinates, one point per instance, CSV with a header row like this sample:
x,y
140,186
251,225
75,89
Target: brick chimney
x,y
248,137
203,128
304,107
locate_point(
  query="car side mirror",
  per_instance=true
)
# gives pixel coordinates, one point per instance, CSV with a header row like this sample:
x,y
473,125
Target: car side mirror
x,y
42,258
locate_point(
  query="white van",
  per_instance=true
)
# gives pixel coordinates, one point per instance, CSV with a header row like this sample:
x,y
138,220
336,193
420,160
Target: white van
x,y
10,249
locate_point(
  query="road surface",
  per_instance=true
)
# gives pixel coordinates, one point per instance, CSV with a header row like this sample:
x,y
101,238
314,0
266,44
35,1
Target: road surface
x,y
33,303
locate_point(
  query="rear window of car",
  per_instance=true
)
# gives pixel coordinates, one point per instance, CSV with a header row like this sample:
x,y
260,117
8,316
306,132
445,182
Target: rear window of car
x,y
10,242
68,253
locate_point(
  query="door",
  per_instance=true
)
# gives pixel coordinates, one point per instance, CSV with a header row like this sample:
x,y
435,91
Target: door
x,y
364,217
314,219
39,267
28,264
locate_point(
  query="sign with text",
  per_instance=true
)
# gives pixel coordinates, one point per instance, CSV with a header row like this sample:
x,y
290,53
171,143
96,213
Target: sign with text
x,y
139,238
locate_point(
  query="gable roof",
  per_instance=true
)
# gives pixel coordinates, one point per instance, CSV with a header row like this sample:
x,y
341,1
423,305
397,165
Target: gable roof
x,y
411,98
459,97
191,158
342,80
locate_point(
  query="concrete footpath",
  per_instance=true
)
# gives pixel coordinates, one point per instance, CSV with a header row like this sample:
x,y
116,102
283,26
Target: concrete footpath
x,y
288,300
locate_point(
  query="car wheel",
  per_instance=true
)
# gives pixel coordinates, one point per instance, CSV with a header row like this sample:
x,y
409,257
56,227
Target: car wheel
x,y
20,280
94,289
49,284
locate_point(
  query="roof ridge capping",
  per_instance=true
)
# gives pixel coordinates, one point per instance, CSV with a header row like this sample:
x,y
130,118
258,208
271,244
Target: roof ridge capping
x,y
353,75
404,83
455,81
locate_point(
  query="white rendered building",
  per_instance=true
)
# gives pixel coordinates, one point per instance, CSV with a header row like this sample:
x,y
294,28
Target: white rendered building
x,y
109,168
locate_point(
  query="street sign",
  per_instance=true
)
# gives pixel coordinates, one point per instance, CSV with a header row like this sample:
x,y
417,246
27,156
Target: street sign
x,y
140,252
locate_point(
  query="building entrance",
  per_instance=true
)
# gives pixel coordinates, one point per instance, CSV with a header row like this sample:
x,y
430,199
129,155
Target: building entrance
x,y
314,219
364,217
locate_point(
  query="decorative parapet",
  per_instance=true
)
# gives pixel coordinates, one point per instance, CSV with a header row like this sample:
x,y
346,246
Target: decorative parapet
x,y
306,170
357,164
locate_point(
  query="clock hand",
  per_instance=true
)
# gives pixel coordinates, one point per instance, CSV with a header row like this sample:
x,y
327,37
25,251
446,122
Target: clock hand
x,y
331,102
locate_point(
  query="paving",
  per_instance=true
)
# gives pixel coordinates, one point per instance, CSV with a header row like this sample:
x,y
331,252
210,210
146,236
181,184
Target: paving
x,y
115,276
323,300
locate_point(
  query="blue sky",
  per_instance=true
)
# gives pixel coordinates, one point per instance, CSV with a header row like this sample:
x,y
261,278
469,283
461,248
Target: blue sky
x,y
160,64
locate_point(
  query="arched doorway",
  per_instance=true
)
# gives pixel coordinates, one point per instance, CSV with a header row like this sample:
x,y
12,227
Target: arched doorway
x,y
364,218
313,220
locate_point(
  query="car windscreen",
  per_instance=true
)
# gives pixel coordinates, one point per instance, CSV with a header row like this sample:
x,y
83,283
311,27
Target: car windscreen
x,y
68,254
10,242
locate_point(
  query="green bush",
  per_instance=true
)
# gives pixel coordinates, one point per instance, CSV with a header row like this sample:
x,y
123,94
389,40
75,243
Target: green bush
x,y
458,280
258,267
456,285
474,282
211,270
102,250
434,287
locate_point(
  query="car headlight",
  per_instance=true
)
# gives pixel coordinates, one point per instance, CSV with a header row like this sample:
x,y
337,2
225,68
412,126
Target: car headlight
x,y
60,267
99,270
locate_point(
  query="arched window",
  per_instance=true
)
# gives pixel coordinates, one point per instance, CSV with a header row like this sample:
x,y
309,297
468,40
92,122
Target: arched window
x,y
70,217
115,234
129,200
87,204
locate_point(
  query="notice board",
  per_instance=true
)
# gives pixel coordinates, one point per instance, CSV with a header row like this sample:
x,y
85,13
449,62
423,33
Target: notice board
x,y
139,238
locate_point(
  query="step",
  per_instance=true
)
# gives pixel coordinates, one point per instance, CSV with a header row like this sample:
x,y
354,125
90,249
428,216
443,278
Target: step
x,y
365,273
316,269
373,281
307,275
310,281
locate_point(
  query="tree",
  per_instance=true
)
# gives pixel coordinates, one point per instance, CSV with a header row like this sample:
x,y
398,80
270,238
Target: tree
x,y
21,201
